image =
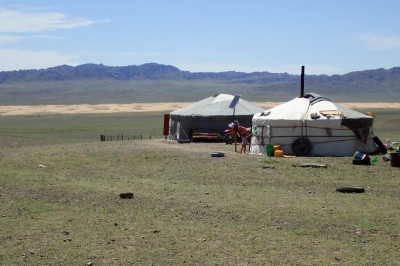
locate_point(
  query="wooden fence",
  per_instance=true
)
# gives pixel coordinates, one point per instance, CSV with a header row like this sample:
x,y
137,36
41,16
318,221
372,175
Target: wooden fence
x,y
120,137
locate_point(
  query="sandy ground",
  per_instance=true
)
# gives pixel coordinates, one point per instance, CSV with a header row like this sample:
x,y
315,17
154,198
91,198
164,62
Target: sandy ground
x,y
141,107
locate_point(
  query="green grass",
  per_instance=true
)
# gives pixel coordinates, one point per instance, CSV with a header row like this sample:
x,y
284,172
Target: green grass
x,y
387,124
82,127
188,207
88,127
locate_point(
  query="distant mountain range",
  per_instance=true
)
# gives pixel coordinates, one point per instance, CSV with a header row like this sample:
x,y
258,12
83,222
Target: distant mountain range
x,y
93,83
150,71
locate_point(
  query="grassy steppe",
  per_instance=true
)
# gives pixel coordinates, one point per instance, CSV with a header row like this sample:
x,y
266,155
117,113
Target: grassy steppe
x,y
51,128
88,127
188,208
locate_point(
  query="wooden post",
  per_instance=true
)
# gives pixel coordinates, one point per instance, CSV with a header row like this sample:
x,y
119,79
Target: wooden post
x,y
234,131
166,125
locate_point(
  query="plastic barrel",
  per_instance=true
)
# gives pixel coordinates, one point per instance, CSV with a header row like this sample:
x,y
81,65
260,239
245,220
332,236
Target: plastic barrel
x,y
269,150
278,153
277,147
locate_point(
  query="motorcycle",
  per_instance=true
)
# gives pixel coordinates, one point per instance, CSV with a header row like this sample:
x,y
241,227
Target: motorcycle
x,y
234,127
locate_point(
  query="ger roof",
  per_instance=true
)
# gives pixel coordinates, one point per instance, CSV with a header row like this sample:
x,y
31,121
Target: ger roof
x,y
304,107
218,105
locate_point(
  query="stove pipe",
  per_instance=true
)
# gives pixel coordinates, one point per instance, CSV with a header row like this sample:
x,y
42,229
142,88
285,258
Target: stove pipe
x,y
302,82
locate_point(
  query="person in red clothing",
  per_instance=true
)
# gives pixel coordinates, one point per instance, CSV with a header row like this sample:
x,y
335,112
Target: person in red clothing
x,y
244,143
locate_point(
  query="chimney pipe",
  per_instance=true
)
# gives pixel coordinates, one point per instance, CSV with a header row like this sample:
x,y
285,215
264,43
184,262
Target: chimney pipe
x,y
302,82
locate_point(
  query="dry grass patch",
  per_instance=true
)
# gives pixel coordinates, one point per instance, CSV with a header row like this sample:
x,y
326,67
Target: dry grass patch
x,y
191,208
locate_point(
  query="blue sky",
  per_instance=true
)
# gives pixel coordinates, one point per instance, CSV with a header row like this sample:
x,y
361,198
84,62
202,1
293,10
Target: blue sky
x,y
327,37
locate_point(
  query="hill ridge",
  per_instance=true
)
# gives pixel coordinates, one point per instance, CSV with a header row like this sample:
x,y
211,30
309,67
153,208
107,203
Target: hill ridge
x,y
152,82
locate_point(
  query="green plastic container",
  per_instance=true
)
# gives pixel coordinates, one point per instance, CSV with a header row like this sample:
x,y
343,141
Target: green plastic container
x,y
269,150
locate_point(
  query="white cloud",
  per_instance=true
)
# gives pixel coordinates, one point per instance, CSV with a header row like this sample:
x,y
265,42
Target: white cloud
x,y
18,59
47,37
24,23
6,39
377,41
18,21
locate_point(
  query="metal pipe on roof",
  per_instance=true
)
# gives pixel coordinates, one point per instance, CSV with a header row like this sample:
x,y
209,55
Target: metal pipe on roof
x,y
302,82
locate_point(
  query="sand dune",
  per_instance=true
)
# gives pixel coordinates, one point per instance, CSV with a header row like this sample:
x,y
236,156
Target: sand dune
x,y
141,107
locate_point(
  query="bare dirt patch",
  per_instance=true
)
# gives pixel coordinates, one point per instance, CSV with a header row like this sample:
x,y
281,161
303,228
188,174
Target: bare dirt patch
x,y
142,107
